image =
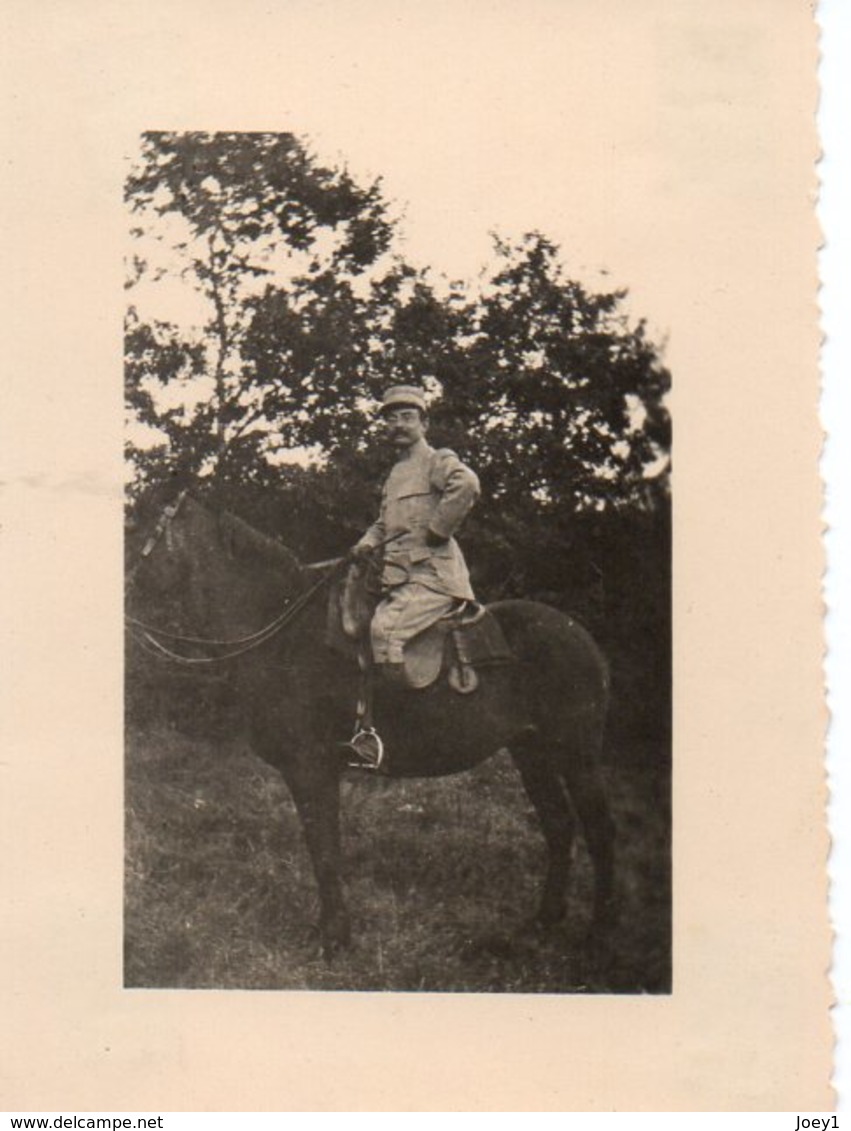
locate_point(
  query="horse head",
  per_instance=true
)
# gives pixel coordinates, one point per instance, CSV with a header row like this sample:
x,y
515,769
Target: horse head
x,y
152,563
206,565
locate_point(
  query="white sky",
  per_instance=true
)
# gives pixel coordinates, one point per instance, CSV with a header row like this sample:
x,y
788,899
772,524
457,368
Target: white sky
x,y
480,119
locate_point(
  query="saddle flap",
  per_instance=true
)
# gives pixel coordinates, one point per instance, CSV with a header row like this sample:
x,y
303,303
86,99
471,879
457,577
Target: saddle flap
x,y
479,639
468,640
424,654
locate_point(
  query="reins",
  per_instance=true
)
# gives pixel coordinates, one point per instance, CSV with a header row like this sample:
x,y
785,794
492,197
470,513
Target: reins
x,y
149,637
242,644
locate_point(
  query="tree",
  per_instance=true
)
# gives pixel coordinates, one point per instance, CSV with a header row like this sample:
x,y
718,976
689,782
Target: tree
x,y
236,210
309,316
557,381
549,390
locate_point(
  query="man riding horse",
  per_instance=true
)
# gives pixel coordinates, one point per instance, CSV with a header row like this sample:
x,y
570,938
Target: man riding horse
x,y
425,498
243,600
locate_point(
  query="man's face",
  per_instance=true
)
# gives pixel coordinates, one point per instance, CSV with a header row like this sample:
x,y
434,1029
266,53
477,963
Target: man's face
x,y
405,425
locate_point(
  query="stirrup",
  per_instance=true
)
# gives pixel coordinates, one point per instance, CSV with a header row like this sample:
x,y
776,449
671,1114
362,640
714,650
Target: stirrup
x,y
368,747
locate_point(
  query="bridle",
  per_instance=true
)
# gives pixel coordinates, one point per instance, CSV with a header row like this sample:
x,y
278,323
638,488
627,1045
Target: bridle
x,y
163,527
150,637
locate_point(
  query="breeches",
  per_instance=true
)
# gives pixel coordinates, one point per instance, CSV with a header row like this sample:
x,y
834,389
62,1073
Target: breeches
x,y
404,612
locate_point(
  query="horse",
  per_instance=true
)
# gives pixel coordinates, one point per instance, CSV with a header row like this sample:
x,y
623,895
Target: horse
x,y
264,614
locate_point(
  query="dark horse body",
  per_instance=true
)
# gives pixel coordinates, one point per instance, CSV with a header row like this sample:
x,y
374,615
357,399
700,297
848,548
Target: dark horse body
x,y
298,696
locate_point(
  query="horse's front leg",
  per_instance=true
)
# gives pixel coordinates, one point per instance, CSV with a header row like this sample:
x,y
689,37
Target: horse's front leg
x,y
314,780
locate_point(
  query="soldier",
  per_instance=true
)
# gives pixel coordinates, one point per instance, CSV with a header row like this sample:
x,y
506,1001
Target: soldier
x,y
425,498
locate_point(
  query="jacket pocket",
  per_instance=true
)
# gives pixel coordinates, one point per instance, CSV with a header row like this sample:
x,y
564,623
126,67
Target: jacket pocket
x,y
413,508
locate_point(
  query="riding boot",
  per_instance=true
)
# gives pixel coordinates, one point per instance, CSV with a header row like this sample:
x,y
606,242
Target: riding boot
x,y
366,744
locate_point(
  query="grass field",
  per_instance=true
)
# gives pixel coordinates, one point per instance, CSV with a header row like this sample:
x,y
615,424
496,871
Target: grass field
x,y
441,878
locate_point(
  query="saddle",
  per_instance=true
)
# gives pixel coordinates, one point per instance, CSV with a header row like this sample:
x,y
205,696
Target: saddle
x,y
458,645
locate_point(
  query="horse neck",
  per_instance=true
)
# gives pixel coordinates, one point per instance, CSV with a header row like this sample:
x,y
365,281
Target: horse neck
x,y
237,581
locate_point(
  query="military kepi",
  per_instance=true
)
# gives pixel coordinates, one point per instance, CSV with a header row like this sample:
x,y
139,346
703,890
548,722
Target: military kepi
x,y
404,395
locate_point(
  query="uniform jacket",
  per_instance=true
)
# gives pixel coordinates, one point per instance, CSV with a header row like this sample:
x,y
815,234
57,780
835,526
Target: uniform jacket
x,y
426,490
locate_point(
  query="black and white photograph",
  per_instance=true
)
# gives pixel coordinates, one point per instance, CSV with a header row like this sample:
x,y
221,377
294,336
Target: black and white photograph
x,y
415,695
399,602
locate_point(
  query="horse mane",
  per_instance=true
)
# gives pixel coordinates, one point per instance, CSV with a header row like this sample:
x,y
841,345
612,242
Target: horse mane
x,y
242,540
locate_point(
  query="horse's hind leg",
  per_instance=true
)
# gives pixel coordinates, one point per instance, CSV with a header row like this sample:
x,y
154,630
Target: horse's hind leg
x,y
582,773
546,792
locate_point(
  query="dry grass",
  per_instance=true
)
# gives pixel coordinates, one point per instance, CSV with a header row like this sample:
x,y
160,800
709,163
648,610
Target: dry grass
x,y
441,879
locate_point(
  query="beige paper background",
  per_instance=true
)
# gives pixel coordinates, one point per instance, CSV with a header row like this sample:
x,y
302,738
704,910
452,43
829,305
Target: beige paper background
x,y
720,180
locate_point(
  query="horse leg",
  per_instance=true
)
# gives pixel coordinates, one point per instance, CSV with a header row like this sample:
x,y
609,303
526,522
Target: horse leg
x,y
546,792
314,782
583,776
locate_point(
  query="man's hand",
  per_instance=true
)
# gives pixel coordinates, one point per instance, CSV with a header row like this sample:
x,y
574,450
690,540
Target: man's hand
x,y
360,552
433,539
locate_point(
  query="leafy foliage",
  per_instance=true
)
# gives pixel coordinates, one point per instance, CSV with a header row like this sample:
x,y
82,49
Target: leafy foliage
x,y
547,389
237,210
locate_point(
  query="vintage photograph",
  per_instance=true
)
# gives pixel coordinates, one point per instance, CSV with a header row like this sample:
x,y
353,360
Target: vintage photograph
x,y
415,683
398,595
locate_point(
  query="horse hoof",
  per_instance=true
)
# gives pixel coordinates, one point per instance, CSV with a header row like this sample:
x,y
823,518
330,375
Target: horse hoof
x,y
332,949
332,943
